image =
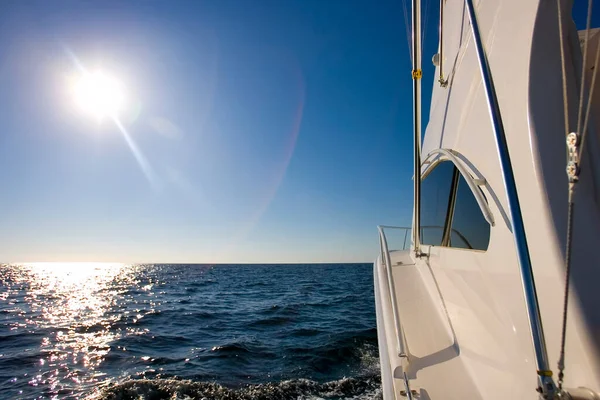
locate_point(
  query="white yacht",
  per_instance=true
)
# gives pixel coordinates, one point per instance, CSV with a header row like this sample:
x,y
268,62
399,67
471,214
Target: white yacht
x,y
471,300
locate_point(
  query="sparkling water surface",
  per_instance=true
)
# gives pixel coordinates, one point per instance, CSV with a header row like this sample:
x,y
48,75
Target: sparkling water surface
x,y
111,331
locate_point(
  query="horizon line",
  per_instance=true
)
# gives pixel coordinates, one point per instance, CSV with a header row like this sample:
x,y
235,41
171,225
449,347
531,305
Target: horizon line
x,y
182,263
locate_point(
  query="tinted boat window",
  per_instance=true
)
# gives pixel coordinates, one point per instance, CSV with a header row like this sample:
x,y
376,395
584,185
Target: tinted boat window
x,y
470,230
435,195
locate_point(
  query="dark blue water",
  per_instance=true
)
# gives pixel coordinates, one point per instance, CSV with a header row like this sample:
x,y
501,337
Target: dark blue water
x,y
188,331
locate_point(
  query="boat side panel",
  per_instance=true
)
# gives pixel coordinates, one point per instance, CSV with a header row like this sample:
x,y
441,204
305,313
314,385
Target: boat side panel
x,y
482,290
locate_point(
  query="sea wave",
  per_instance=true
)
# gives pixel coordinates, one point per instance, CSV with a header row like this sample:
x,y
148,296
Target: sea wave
x,y
357,388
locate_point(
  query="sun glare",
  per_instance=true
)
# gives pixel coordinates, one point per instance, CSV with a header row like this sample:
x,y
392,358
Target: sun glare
x,y
99,95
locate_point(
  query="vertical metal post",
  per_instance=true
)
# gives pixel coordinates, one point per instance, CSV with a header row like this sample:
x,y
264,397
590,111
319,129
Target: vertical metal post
x,y
443,82
547,387
416,75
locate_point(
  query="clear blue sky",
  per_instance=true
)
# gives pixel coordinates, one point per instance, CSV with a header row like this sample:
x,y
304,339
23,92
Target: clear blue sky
x,y
275,131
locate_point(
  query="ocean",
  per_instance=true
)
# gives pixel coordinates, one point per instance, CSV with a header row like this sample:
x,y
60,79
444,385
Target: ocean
x,y
157,331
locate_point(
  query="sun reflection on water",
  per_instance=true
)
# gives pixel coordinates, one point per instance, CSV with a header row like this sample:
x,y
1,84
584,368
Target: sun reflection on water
x,y
74,309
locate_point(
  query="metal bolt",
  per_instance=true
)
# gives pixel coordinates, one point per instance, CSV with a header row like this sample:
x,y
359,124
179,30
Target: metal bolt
x,y
571,169
572,139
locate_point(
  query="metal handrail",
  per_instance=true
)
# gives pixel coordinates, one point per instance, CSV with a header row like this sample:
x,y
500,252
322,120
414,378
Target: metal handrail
x,y
547,386
385,254
406,229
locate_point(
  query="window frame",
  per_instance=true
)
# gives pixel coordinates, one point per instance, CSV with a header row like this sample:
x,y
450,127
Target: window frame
x,y
447,155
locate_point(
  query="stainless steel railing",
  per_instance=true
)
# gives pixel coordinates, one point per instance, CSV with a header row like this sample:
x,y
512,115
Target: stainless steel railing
x,y
387,263
401,346
405,238
546,384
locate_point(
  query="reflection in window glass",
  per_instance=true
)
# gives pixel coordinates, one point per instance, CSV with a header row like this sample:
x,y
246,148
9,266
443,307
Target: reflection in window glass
x,y
470,230
435,194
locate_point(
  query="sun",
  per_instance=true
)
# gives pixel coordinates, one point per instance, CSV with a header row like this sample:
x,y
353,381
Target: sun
x,y
99,95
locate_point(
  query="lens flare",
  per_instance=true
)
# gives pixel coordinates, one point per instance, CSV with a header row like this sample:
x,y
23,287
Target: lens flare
x,y
99,95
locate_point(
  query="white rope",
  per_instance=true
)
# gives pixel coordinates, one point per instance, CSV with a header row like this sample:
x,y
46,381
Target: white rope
x,y
585,51
425,24
563,68
407,27
589,103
